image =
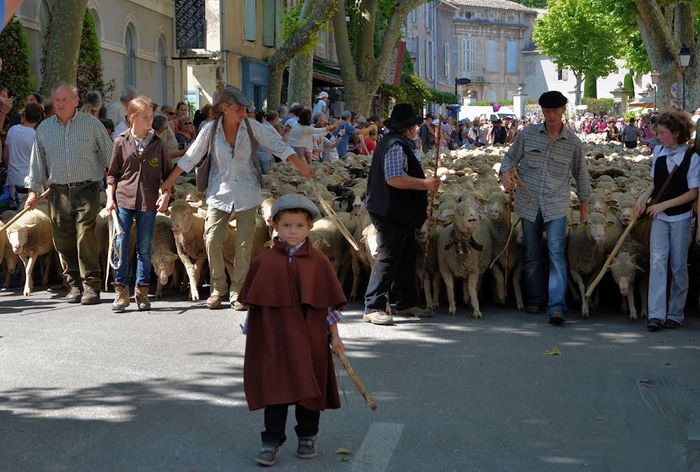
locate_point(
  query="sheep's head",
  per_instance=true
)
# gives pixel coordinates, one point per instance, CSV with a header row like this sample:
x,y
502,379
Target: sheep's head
x,y
466,214
181,216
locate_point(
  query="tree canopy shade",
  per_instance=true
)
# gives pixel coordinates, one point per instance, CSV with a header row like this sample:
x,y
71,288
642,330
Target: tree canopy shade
x,y
579,35
89,75
664,26
533,3
365,46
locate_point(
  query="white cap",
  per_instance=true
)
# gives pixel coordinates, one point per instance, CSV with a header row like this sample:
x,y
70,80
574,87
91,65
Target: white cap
x,y
323,94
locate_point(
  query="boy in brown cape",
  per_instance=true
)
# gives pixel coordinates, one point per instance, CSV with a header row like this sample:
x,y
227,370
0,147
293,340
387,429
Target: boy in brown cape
x,y
293,295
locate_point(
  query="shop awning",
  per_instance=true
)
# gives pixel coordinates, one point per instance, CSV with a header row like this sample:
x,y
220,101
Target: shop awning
x,y
326,73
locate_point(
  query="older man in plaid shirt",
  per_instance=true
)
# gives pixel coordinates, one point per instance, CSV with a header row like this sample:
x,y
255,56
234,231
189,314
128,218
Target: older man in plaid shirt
x,y
547,156
70,154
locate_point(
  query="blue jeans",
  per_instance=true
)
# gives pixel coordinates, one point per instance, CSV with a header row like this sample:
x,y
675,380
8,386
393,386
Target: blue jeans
x,y
668,241
145,221
533,264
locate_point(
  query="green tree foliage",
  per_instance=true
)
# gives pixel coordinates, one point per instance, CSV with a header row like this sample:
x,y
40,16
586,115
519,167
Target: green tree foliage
x,y
601,106
580,35
89,75
16,66
590,86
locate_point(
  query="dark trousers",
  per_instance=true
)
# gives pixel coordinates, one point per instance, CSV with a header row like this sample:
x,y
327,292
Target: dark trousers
x,y
395,267
276,422
73,210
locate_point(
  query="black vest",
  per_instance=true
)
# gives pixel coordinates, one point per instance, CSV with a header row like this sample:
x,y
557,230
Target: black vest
x,y
676,187
408,207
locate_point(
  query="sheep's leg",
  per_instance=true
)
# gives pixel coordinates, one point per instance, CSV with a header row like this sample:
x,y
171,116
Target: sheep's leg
x,y
436,291
472,284
356,273
45,267
578,280
518,288
192,274
574,291
450,289
630,302
425,282
498,285
465,291
159,289
28,269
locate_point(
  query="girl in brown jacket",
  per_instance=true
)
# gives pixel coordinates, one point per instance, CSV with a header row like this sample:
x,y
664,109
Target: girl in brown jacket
x,y
140,162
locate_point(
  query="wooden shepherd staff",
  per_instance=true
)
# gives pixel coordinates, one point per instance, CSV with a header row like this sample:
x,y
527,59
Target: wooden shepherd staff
x,y
507,254
24,210
431,201
645,196
356,380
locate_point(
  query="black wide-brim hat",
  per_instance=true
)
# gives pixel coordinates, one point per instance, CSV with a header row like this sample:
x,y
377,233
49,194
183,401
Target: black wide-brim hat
x,y
403,116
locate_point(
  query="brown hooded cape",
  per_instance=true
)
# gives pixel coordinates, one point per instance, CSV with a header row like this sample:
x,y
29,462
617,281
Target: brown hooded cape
x,y
287,353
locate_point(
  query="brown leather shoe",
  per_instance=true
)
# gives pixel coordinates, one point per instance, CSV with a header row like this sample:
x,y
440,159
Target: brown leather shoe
x,y
141,298
238,306
214,302
73,295
90,296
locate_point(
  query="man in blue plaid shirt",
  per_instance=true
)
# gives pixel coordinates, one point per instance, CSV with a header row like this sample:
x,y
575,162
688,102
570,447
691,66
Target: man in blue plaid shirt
x,y
397,200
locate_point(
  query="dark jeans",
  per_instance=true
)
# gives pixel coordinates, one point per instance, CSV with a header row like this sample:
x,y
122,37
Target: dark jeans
x,y
395,268
73,211
276,422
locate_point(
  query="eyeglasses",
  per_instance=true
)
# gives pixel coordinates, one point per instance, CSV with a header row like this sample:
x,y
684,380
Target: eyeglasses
x,y
187,123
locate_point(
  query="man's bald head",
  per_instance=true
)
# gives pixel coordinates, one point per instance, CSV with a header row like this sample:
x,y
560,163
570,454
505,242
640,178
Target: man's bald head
x,y
65,101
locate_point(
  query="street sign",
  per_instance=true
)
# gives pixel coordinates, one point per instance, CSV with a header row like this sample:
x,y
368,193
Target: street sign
x,y
190,24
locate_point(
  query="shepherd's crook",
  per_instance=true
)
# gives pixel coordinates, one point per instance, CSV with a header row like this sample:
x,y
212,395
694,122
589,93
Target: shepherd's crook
x,y
24,210
356,380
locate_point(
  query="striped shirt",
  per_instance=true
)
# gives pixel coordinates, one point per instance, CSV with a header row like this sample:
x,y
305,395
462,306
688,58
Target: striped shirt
x,y
546,167
333,316
395,162
63,154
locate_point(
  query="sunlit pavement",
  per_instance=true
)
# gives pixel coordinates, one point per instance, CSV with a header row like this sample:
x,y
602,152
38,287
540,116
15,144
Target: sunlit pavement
x,y
83,389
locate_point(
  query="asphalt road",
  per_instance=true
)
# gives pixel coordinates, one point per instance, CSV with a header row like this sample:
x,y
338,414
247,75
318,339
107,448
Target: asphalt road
x,y
83,389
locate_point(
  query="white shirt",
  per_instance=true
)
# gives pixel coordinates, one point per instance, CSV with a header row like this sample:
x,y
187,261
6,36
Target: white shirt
x,y
233,181
674,157
302,136
19,143
320,106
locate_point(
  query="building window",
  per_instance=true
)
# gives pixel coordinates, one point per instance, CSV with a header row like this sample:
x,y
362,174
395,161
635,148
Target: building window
x,y
430,59
468,54
491,55
130,57
428,17
446,59
562,74
250,15
417,53
511,57
269,22
414,15
162,70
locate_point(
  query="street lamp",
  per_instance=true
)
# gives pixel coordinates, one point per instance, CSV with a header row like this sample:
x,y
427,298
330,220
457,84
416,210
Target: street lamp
x,y
654,81
684,60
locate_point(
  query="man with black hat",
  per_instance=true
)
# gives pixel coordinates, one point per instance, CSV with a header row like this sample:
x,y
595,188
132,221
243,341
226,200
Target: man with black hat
x,y
233,184
547,156
397,200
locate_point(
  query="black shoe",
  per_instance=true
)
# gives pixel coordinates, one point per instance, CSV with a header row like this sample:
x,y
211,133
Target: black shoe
x,y
533,309
654,324
557,318
672,324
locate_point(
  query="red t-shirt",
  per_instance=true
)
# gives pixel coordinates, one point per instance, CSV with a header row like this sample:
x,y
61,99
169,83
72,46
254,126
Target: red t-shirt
x,y
371,144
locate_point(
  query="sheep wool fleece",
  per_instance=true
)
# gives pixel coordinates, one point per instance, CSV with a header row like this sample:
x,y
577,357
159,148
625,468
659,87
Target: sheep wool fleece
x,y
287,353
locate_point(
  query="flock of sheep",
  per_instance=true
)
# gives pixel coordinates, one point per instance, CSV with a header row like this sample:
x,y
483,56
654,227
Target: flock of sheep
x,y
471,232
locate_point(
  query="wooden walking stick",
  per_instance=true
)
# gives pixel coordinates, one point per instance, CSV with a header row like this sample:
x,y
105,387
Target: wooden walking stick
x,y
431,201
507,254
24,210
356,380
644,197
